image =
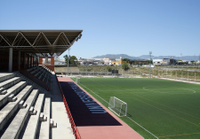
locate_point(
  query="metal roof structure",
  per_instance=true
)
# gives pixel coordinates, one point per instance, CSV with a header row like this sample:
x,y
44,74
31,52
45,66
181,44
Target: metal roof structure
x,y
39,42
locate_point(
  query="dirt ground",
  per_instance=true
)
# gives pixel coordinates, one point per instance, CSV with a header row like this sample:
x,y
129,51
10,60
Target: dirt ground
x,y
65,69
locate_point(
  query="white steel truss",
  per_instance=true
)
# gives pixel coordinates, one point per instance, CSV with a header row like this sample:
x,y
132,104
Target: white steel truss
x,y
45,42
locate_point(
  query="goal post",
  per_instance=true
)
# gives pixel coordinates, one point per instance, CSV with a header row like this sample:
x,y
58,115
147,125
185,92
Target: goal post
x,y
77,79
117,106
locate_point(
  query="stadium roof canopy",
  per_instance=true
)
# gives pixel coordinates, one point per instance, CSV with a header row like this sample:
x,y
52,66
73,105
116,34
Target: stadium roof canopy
x,y
39,42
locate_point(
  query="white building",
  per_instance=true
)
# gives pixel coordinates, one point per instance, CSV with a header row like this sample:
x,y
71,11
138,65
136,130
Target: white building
x,y
163,61
107,61
157,61
59,62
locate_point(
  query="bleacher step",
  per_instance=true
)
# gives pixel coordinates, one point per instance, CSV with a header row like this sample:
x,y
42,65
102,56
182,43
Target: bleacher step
x,y
7,112
3,92
10,82
21,114
31,129
13,90
5,76
15,127
45,125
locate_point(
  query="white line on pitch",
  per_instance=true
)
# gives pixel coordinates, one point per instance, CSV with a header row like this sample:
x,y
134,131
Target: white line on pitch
x,y
143,128
94,93
127,117
145,88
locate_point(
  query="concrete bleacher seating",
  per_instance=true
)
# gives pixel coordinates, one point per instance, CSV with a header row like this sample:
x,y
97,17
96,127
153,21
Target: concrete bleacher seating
x,y
26,107
33,71
18,98
11,108
41,73
5,76
15,127
12,90
31,129
44,132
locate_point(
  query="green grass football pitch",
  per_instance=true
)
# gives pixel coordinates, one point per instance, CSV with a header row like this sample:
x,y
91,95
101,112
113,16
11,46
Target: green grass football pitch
x,y
156,108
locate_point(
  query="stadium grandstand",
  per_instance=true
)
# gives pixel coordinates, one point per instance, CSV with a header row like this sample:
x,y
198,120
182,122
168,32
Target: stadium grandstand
x,y
35,103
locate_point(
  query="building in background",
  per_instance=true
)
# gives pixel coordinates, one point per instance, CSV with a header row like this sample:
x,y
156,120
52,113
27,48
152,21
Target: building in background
x,y
139,62
164,61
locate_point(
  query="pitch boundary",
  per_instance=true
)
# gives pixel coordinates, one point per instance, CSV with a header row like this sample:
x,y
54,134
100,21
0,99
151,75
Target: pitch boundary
x,y
184,134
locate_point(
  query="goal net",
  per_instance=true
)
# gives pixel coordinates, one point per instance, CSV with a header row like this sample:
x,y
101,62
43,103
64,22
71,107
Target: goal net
x,y
117,106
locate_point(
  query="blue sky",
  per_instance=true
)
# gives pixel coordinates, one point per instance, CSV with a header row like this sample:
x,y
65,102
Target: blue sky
x,y
132,27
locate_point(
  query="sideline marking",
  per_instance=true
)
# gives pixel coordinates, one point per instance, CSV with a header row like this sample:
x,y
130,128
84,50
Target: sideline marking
x,y
127,117
184,134
194,91
143,128
94,93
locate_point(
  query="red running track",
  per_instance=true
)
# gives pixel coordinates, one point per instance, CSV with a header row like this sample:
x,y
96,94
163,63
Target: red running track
x,y
90,126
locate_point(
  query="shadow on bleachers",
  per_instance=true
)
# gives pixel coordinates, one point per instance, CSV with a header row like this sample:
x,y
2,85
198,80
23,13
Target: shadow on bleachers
x,y
39,75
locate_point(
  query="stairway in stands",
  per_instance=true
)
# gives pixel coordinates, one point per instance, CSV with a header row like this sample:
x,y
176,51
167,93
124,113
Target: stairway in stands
x,y
25,106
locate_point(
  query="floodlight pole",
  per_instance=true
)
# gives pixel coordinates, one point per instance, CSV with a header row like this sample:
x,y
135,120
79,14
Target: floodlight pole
x,y
150,62
173,61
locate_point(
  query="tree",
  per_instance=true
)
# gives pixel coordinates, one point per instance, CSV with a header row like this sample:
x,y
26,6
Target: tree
x,y
66,58
150,61
72,59
125,66
109,68
127,60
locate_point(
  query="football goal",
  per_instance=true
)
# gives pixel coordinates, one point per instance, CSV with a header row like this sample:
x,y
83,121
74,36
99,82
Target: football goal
x,y
77,79
117,106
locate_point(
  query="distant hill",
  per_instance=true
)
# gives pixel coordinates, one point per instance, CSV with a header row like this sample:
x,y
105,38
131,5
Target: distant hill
x,y
145,57
116,56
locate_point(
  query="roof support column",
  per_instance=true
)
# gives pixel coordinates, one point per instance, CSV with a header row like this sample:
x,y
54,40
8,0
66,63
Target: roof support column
x,y
46,60
24,62
28,61
34,61
31,61
33,64
19,60
10,59
37,60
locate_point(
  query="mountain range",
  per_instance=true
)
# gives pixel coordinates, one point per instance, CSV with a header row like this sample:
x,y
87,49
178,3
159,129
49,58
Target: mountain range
x,y
145,57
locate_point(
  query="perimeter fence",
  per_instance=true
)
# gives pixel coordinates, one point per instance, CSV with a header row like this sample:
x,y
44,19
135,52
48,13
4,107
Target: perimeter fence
x,y
180,73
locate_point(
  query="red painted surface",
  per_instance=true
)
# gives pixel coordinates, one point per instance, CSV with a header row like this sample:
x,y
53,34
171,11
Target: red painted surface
x,y
73,126
105,132
49,65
